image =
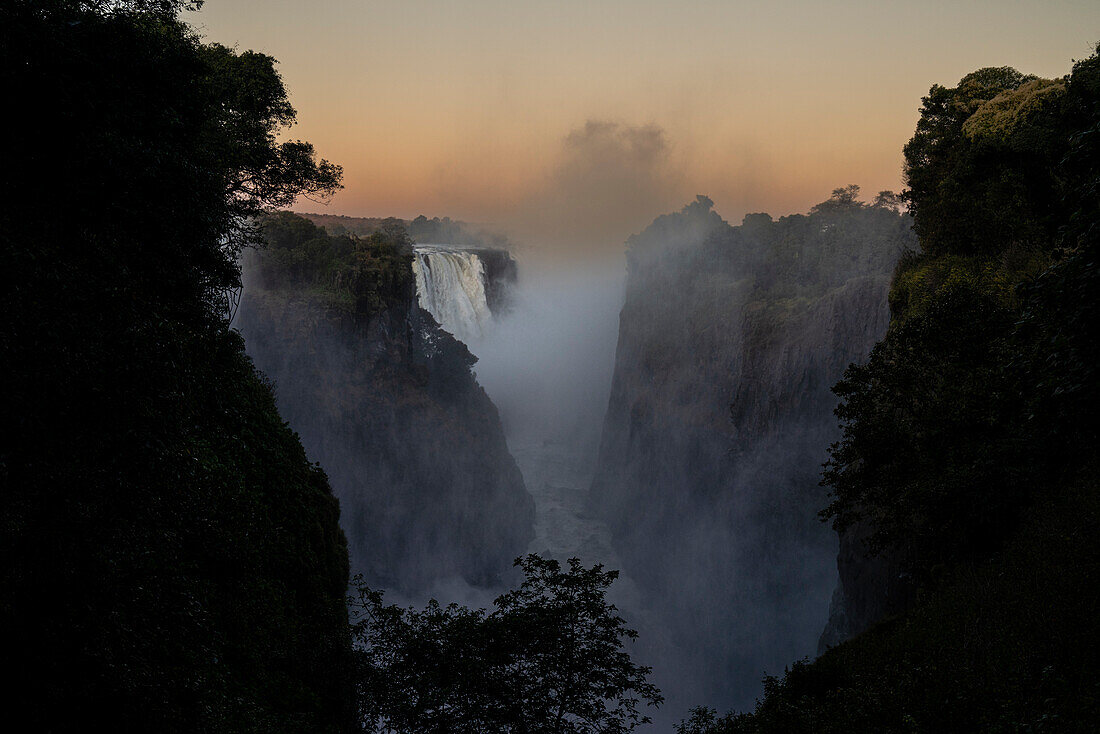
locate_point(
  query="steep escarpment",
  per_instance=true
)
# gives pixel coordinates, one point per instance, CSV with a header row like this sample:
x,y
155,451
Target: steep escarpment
x,y
720,415
968,454
384,399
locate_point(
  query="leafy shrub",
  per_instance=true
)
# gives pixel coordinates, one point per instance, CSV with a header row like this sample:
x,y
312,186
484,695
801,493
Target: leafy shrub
x,y
548,658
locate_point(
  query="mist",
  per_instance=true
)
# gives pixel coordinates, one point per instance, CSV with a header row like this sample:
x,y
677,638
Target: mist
x,y
607,181
671,421
718,421
547,363
661,407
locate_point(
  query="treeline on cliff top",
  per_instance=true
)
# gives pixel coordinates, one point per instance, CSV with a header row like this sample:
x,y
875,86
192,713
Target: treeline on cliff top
x,y
434,230
172,561
355,274
787,263
794,258
970,434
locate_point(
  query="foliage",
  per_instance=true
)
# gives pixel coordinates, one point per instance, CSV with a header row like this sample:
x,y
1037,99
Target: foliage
x,y
435,230
68,8
795,258
842,238
1001,118
548,658
845,197
705,720
927,448
360,274
956,418
985,166
449,231
173,562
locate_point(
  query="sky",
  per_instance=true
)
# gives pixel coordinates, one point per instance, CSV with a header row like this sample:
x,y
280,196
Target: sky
x,y
556,119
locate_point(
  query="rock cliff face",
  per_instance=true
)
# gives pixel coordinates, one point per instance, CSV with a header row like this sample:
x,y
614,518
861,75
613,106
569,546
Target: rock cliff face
x,y
870,588
719,419
411,443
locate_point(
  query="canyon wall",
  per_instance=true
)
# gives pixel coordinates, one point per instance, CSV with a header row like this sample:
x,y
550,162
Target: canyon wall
x,y
413,446
718,422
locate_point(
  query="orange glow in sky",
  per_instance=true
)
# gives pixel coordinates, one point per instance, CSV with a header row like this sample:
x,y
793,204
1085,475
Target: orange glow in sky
x,y
518,112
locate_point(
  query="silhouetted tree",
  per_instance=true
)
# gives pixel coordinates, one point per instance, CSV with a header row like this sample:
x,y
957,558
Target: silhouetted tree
x,y
172,562
548,658
842,198
887,200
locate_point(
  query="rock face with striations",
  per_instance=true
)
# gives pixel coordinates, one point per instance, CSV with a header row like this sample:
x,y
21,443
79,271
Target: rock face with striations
x,y
411,443
719,419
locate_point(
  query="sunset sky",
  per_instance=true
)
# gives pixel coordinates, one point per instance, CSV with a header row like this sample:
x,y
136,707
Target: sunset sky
x,y
587,119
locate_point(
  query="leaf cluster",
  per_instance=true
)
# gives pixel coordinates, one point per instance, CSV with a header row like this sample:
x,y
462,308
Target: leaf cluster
x,y
985,166
548,658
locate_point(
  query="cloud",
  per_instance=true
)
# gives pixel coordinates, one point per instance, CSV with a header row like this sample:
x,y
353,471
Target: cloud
x,y
610,179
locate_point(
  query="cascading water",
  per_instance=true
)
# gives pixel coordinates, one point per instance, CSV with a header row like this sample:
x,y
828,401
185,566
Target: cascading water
x,y
450,284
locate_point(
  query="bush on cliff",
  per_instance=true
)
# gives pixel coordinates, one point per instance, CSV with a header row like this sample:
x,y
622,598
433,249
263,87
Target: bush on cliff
x,y
948,435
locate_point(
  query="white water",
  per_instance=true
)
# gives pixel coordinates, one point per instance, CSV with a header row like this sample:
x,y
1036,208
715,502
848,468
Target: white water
x,y
547,366
450,284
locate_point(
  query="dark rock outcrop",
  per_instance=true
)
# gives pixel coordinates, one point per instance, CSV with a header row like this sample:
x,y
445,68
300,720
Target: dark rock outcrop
x,y
870,588
412,444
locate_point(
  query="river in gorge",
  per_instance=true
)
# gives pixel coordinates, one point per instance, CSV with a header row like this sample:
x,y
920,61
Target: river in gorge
x,y
547,364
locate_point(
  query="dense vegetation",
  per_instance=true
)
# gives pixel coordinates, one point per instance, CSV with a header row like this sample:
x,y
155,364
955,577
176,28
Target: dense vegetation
x,y
359,275
970,435
981,394
548,658
795,258
172,561
435,230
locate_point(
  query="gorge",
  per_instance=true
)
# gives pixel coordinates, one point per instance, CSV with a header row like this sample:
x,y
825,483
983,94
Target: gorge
x,y
432,502
679,440
831,472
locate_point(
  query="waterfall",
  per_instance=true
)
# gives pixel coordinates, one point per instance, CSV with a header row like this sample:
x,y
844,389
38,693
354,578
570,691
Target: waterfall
x,y
450,284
